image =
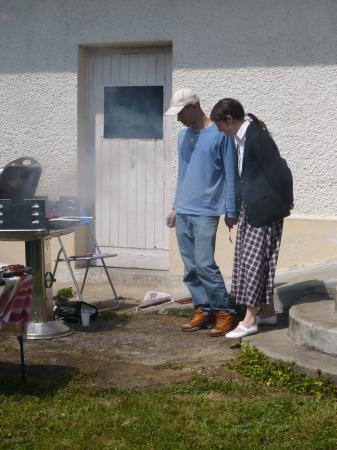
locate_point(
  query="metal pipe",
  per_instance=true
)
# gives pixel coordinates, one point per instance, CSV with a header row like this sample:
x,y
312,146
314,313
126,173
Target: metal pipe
x,y
35,258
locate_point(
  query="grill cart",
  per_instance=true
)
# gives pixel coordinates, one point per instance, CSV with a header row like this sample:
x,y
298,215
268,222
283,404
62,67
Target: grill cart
x,y
25,217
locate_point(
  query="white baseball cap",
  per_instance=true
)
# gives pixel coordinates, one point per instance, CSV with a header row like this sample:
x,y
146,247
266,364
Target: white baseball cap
x,y
181,98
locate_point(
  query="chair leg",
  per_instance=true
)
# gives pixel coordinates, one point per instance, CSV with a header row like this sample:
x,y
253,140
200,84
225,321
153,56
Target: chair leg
x,y
97,247
111,283
57,260
22,359
85,275
78,291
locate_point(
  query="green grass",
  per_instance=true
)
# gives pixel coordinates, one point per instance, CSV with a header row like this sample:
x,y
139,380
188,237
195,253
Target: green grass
x,y
200,414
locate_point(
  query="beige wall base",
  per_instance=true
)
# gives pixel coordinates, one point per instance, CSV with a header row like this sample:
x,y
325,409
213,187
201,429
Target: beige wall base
x,y
305,241
12,252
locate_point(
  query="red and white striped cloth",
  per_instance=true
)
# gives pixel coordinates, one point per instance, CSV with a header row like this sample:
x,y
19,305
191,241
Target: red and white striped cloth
x,y
15,306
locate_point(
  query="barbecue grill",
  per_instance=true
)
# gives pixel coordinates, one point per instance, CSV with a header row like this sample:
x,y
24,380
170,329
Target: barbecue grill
x,y
35,220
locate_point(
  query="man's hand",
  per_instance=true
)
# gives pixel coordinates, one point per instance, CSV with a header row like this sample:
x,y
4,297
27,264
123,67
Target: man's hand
x,y
230,221
171,219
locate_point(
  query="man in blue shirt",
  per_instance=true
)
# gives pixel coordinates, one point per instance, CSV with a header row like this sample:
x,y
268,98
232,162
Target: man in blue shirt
x,y
205,191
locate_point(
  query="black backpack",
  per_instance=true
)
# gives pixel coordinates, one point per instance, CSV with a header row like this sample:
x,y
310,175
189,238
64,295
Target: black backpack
x,y
71,310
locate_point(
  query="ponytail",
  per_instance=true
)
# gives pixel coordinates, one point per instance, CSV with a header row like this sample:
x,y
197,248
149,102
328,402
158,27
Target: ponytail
x,y
258,122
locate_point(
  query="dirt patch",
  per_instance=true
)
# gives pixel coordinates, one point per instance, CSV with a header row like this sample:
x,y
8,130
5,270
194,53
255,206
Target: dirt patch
x,y
126,350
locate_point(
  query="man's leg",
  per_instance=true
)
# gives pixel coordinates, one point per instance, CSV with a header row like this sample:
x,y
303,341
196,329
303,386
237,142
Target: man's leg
x,y
208,272
186,243
185,238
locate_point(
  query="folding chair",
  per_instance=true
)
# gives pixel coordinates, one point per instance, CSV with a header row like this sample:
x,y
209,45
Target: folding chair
x,y
95,255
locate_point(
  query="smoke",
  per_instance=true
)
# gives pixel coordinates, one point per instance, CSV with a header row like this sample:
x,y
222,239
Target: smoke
x,y
133,112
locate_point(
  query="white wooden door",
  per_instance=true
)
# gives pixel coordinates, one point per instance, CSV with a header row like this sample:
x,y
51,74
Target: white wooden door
x,y
131,185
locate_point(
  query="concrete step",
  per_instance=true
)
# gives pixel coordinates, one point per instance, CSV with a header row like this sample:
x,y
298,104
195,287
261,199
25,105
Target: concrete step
x,y
290,286
279,346
289,293
313,323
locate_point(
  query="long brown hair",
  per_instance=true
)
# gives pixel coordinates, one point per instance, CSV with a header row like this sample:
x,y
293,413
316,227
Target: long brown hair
x,y
232,107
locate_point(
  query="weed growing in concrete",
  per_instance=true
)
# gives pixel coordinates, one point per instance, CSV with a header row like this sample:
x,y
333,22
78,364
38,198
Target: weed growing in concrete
x,y
170,365
108,314
253,363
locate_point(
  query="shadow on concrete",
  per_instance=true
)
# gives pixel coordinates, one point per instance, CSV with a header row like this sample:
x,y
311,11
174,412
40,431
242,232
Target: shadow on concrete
x,y
289,294
108,320
283,322
126,306
109,305
280,284
41,379
313,298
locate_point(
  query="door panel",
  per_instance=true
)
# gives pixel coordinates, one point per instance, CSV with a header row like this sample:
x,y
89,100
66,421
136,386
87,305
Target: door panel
x,y
131,174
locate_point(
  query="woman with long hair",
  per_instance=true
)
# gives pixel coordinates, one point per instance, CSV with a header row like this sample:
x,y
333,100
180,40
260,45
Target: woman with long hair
x,y
267,197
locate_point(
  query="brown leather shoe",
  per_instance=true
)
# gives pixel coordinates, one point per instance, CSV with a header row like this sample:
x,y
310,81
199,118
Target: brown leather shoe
x,y
198,322
225,322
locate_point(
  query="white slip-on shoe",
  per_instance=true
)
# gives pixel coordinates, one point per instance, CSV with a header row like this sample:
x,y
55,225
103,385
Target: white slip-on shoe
x,y
244,331
270,320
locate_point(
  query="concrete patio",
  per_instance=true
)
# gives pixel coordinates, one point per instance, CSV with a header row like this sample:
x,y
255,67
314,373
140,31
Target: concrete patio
x,y
305,299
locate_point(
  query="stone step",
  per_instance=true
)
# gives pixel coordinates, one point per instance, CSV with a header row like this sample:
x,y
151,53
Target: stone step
x,y
279,346
134,283
288,294
313,323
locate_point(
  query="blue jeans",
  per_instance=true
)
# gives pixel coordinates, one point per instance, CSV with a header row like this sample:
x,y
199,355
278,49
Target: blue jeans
x,y
196,239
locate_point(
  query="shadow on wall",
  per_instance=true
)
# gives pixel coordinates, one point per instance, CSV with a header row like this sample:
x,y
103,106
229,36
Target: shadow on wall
x,y
216,34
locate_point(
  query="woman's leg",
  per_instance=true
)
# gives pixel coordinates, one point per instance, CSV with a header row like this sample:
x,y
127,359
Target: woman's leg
x,y
249,271
258,259
250,317
268,310
273,238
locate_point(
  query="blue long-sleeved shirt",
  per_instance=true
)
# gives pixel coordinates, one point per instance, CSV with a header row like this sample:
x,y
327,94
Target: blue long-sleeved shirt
x,y
206,173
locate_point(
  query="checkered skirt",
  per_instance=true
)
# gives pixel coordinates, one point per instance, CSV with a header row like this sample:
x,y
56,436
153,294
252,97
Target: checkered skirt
x,y
255,259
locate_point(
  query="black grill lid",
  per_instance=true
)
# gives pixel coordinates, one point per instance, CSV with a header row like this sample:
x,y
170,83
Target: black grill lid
x,y
19,179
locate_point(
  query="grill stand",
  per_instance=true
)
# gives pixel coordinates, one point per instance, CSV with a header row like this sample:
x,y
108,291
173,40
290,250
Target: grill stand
x,y
38,257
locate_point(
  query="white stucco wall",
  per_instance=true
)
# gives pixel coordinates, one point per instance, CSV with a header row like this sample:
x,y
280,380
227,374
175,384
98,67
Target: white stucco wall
x,y
278,58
